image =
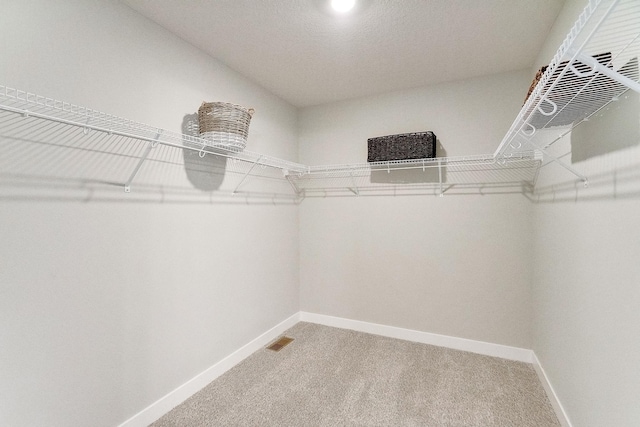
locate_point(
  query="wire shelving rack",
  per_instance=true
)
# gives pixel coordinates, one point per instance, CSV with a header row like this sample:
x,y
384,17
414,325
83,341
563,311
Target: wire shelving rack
x,y
88,145
423,176
596,63
47,139
594,66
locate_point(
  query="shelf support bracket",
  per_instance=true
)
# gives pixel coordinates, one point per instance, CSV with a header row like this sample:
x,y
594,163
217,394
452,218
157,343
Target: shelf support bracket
x,y
355,186
440,178
151,145
235,191
561,163
291,180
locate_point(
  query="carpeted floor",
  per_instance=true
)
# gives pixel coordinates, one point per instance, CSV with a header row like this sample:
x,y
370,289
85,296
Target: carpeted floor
x,y
335,377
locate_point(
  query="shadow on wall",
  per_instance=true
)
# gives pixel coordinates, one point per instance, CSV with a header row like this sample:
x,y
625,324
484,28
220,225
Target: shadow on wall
x,y
614,128
621,183
606,149
412,176
205,172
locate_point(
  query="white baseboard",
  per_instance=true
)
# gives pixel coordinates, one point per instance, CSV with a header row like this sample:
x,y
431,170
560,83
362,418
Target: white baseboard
x,y
551,394
186,390
180,394
480,347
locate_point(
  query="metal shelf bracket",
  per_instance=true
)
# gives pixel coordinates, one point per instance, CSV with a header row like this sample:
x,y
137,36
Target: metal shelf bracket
x,y
150,145
440,177
354,190
561,163
235,191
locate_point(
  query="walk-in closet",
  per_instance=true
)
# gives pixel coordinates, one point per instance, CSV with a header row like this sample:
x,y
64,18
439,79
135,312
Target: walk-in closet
x,y
319,213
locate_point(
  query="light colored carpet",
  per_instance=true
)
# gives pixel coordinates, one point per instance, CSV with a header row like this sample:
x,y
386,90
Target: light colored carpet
x,y
335,377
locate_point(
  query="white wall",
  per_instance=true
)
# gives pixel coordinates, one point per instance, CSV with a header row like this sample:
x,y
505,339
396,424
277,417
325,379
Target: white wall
x,y
107,306
458,265
586,270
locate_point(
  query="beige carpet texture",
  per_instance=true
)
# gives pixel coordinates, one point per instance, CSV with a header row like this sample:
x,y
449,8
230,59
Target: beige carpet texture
x,y
335,377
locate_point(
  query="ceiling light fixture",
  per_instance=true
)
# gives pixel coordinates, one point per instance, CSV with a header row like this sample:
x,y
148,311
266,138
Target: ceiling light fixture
x,y
342,6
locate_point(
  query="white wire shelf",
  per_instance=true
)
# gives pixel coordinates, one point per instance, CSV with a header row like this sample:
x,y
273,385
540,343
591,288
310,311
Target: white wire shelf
x,y
487,173
32,105
47,141
594,66
44,140
54,141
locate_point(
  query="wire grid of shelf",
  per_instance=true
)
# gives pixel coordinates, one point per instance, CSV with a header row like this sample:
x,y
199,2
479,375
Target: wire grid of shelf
x,y
46,139
594,66
54,140
423,176
32,105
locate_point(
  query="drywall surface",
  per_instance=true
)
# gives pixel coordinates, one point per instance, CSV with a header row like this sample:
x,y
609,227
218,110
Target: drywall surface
x,y
586,271
468,117
586,301
105,307
457,265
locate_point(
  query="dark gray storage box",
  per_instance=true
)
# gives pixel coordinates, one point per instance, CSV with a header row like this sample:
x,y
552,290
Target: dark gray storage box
x,y
406,146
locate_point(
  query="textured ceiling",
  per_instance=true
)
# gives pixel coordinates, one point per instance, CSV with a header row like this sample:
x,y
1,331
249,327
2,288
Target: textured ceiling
x,y
307,55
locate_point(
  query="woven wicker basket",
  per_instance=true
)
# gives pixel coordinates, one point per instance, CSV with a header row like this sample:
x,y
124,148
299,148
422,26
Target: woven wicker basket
x,y
406,146
224,124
